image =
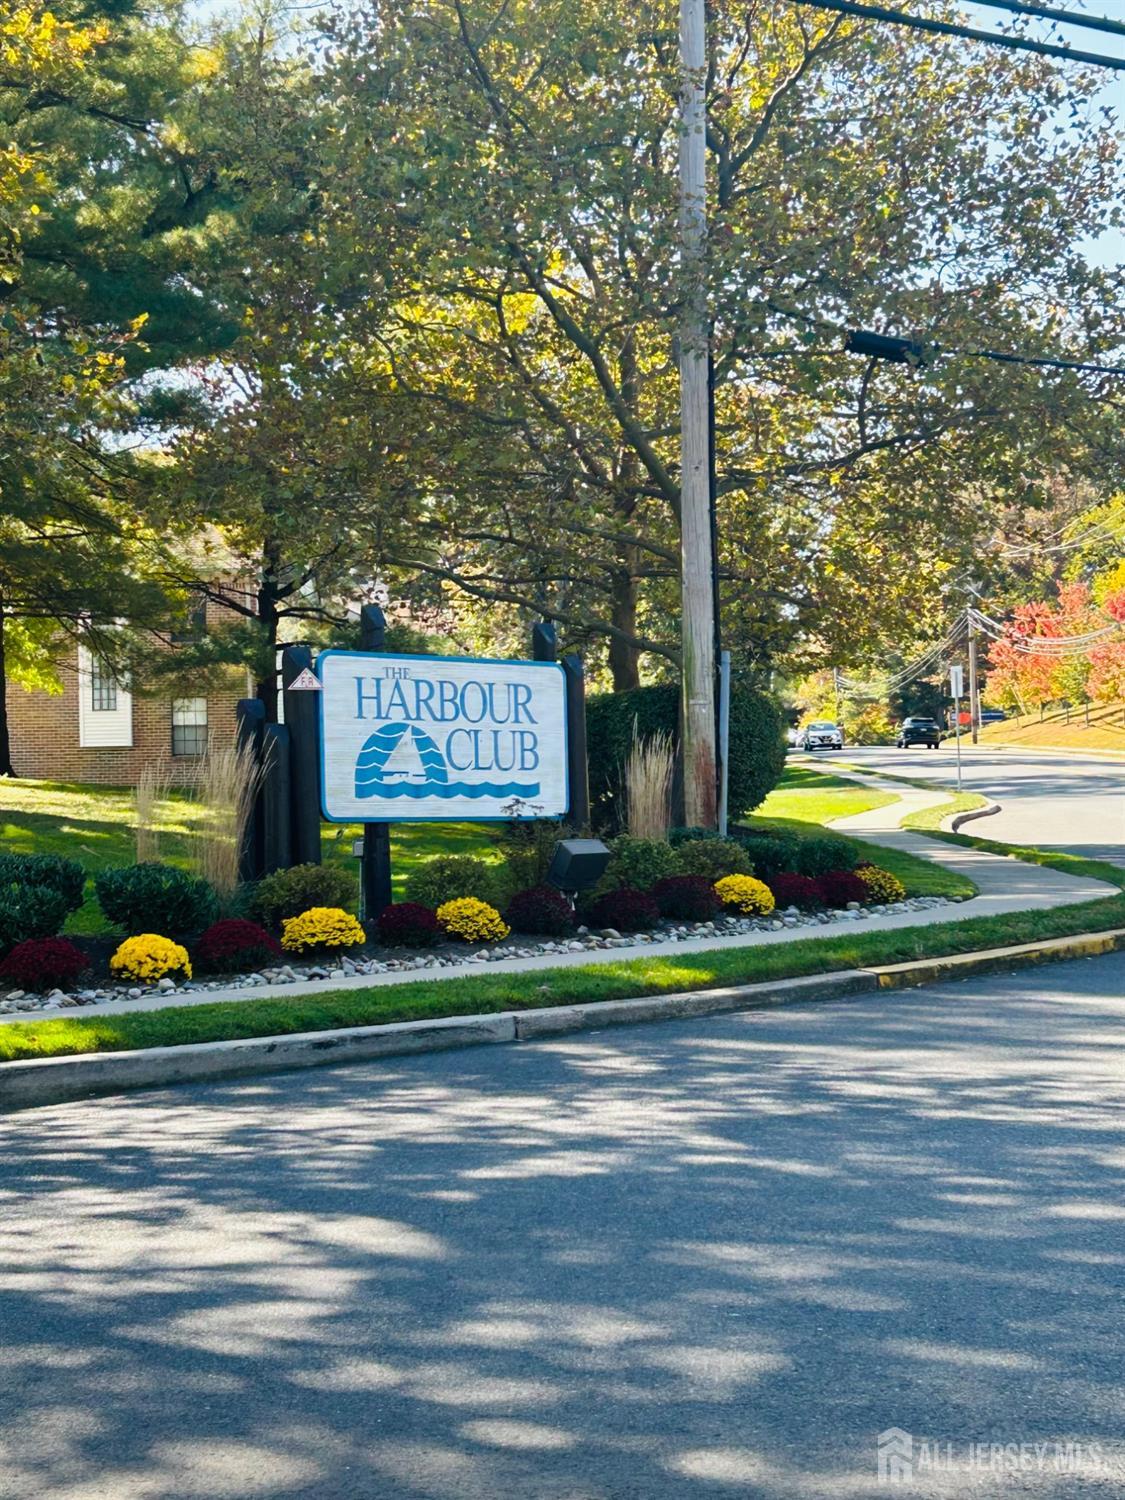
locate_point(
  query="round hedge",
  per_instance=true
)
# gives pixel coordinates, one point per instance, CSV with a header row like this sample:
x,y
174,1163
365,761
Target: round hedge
x,y
757,744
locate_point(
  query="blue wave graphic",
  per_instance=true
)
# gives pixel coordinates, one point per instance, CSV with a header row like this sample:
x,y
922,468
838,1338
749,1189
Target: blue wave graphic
x,y
418,789
372,780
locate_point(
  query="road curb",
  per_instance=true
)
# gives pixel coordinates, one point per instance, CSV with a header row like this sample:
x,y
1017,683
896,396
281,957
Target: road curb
x,y
56,1080
958,820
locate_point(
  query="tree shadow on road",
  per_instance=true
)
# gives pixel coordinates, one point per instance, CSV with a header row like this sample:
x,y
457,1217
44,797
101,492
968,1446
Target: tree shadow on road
x,y
707,1258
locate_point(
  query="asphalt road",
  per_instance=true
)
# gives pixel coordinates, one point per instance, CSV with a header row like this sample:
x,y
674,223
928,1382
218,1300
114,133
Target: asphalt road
x,y
1066,802
710,1258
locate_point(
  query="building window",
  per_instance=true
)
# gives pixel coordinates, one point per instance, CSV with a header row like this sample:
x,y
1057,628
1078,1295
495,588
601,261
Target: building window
x,y
189,726
193,627
103,688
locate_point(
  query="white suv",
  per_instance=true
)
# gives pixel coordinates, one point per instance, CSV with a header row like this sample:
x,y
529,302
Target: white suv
x,y
821,734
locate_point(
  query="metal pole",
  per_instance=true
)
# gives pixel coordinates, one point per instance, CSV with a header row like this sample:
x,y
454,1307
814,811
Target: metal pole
x,y
697,604
957,730
724,740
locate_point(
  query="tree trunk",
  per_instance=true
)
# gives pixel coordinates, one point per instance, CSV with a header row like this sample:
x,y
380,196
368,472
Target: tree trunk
x,y
624,658
268,596
6,767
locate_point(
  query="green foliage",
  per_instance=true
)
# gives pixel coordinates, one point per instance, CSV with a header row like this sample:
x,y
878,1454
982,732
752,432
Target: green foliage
x,y
288,893
153,897
453,877
63,875
638,864
29,911
757,748
678,836
529,846
824,854
770,856
714,858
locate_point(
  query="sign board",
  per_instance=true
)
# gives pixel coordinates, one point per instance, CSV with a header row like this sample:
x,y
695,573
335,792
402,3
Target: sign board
x,y
416,738
306,681
956,681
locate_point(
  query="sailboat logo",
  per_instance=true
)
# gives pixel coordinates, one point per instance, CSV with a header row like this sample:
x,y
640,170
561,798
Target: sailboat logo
x,y
400,760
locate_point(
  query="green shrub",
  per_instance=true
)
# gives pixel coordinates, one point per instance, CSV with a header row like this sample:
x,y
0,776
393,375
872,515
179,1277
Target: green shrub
x,y
153,897
823,854
678,836
29,911
714,858
529,846
757,744
638,864
288,893
770,856
453,877
63,875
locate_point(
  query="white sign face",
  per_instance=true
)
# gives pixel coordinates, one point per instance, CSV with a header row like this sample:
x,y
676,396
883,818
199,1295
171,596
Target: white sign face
x,y
410,738
956,681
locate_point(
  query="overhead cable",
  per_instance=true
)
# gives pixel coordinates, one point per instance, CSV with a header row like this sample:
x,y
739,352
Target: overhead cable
x,y
969,33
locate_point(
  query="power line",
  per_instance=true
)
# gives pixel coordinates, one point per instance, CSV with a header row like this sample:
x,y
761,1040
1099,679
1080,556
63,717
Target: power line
x,y
1053,13
920,667
970,33
1055,646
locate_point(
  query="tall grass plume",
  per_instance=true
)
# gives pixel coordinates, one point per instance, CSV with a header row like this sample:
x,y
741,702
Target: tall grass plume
x,y
153,786
227,788
648,786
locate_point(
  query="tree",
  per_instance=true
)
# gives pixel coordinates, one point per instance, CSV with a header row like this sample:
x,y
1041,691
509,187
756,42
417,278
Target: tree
x,y
521,159
101,202
284,479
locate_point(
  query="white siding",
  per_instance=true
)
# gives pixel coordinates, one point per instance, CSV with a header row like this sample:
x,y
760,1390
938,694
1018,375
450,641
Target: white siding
x,y
102,728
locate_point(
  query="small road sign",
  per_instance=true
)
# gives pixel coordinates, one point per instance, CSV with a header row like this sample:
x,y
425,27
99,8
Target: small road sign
x,y
306,681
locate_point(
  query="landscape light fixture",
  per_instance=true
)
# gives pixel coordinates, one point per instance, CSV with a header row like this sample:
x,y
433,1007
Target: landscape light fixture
x,y
577,864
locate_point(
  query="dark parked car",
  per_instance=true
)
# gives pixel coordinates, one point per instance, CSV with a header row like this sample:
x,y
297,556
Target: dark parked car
x,y
919,732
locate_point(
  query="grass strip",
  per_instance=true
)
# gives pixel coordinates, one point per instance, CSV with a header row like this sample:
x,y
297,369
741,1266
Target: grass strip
x,y
1066,864
930,818
489,993
919,876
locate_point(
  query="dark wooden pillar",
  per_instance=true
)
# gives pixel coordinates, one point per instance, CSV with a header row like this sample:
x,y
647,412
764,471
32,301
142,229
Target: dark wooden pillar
x,y
250,718
302,718
375,866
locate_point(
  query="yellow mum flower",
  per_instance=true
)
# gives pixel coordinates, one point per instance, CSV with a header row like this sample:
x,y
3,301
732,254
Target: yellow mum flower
x,y
321,927
472,921
749,896
149,957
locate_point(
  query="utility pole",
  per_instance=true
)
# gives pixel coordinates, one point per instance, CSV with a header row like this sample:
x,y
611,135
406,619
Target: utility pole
x,y
836,690
974,697
697,607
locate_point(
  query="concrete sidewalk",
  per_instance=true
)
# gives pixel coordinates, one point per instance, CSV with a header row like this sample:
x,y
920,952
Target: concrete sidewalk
x,y
1004,886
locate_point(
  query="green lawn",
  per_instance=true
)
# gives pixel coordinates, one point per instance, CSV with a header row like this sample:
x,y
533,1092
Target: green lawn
x,y
816,797
94,825
805,800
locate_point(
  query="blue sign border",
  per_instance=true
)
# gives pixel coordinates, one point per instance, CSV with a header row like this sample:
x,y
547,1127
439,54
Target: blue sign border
x,y
488,661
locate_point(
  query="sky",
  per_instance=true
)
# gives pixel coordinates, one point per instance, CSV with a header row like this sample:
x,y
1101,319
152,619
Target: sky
x,y
1110,249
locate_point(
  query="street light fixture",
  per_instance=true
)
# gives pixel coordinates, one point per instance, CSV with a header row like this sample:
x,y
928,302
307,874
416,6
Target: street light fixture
x,y
884,346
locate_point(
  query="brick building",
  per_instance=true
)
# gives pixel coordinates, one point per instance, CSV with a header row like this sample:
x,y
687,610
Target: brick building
x,y
97,730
